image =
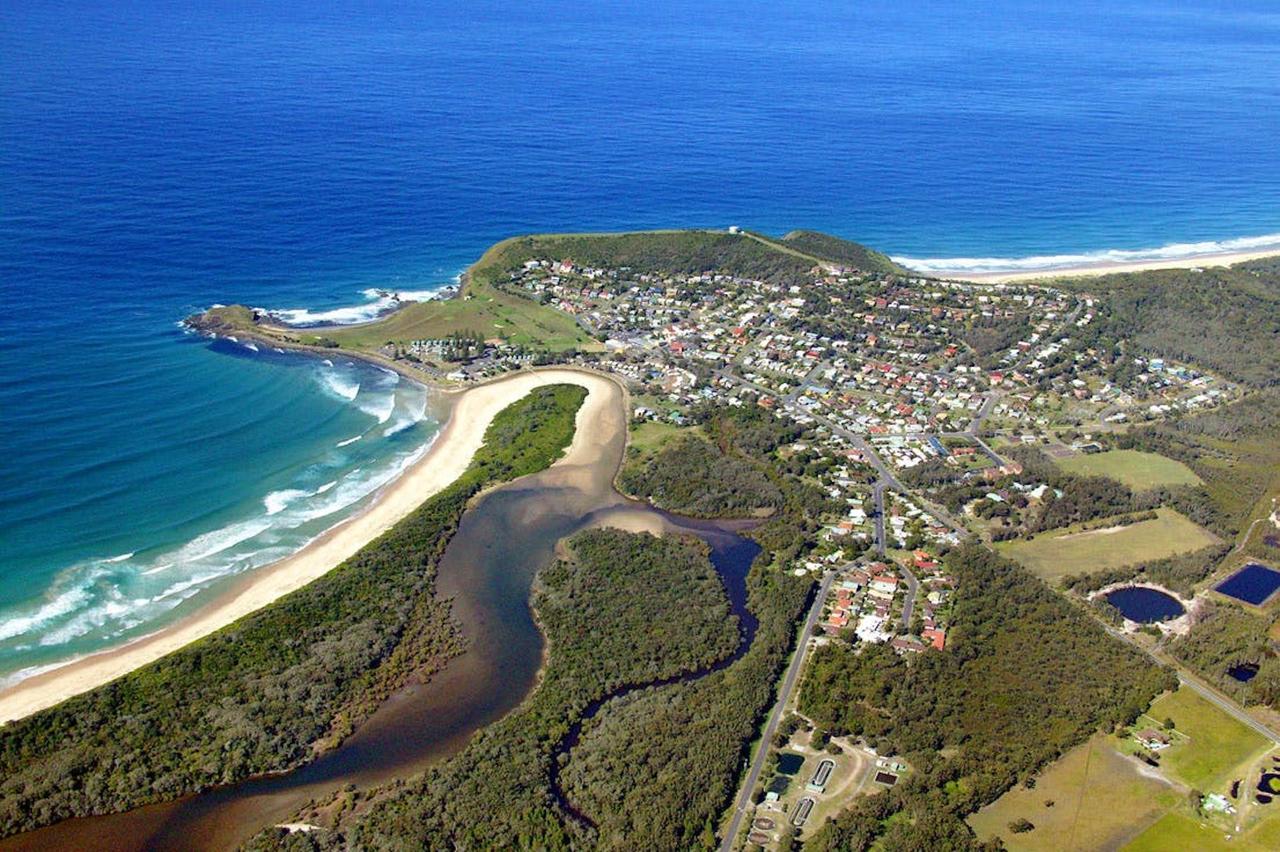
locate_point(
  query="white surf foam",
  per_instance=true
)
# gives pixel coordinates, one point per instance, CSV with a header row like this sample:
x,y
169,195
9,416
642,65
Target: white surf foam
x,y
62,604
278,501
341,386
349,441
378,301
1171,252
379,407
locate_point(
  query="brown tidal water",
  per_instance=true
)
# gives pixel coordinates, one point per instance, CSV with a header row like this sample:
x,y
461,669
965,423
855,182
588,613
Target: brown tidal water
x,y
488,570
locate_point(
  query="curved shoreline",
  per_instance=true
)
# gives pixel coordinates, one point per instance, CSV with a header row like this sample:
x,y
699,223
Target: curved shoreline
x,y
444,461
1106,267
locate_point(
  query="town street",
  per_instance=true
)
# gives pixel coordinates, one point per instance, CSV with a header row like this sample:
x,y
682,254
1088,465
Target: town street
x,y
789,680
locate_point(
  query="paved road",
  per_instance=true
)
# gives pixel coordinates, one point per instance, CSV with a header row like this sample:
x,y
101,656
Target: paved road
x,y
869,453
877,492
991,454
789,680
1227,705
803,386
1210,694
909,604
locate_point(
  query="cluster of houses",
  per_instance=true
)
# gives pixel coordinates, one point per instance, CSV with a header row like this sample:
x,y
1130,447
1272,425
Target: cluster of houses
x,y
869,601
863,602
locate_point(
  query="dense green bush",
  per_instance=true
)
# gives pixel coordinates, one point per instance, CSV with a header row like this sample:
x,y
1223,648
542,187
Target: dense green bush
x,y
1026,676
598,608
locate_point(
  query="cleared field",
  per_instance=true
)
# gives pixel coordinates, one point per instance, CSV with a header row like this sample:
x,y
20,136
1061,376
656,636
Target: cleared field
x,y
1070,551
1138,470
1178,831
1218,748
650,436
1100,801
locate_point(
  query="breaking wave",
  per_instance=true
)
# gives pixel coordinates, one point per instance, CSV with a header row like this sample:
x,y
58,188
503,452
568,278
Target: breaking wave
x,y
339,385
377,302
1173,252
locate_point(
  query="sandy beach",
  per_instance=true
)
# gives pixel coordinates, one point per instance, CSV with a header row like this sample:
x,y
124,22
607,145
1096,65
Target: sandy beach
x,y
445,461
1203,261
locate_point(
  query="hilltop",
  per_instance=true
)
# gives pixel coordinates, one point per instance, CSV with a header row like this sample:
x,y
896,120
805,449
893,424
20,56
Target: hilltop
x,y
488,310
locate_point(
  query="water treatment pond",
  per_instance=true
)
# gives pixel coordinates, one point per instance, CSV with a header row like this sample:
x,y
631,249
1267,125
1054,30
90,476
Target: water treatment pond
x,y
1252,584
1145,606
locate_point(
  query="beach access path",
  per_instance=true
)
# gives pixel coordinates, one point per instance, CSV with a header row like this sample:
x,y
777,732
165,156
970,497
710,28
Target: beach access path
x,y
447,458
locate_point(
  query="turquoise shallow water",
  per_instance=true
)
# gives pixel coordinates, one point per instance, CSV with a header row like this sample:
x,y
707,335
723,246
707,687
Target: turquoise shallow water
x,y
158,158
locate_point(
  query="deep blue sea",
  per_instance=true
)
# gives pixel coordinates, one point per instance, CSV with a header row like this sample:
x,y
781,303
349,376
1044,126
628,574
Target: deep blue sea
x,y
156,158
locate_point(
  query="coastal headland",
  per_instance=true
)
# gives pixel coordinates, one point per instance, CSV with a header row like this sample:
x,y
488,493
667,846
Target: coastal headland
x,y
446,459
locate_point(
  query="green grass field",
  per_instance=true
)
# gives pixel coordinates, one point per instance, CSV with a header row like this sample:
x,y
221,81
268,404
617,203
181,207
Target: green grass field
x,y
1138,470
1218,747
489,314
650,437
1100,801
1069,551
1179,831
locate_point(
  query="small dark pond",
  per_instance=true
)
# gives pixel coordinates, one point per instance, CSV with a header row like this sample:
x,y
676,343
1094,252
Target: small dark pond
x,y
1145,606
1252,584
789,762
1269,784
1244,672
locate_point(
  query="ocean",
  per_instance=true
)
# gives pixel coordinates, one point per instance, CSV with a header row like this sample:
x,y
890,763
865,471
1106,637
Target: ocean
x,y
158,158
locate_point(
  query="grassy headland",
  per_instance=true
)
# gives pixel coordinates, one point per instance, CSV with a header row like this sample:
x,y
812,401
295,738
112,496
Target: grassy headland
x,y
486,310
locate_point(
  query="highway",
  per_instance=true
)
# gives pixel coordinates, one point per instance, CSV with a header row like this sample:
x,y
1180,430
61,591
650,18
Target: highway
x,y
789,681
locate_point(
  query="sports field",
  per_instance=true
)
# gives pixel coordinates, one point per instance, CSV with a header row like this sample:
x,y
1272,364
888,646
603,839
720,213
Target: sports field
x,y
1070,551
1138,470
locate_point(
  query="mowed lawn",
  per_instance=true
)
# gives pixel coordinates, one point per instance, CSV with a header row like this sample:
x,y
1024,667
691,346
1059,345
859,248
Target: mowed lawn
x,y
1069,551
1218,746
1100,801
1136,469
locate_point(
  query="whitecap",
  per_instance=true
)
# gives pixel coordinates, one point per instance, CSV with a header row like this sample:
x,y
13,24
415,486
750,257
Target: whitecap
x,y
340,385
349,441
379,407
60,606
216,541
123,557
251,345
278,501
